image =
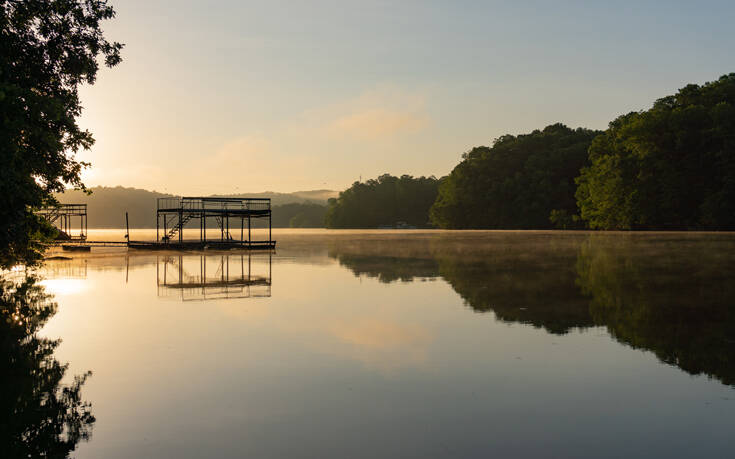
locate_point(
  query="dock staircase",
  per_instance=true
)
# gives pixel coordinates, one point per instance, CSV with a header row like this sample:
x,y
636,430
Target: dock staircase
x,y
227,234
176,228
180,224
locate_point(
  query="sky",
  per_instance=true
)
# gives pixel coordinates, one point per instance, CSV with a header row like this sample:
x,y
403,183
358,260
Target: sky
x,y
241,96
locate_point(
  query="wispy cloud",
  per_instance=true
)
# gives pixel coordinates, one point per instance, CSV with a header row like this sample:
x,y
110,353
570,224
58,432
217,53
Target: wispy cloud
x,y
385,112
376,123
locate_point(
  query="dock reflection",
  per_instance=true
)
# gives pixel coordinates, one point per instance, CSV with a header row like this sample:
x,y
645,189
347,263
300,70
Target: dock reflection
x,y
214,277
72,268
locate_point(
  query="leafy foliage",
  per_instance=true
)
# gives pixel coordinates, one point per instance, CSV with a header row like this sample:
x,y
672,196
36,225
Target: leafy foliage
x,y
48,48
670,167
516,183
386,200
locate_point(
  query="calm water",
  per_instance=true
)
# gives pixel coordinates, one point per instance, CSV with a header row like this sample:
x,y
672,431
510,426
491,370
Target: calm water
x,y
391,344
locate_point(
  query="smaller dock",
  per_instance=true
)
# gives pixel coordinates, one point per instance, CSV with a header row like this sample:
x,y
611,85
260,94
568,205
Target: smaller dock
x,y
62,216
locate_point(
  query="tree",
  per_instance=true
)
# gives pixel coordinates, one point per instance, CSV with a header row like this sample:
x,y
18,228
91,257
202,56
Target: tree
x,y
517,183
386,200
48,48
670,167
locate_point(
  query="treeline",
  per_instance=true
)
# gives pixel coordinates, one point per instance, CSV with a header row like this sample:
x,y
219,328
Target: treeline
x,y
299,215
517,183
669,167
385,201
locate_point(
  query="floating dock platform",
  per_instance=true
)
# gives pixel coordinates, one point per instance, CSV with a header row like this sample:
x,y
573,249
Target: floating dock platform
x,y
200,245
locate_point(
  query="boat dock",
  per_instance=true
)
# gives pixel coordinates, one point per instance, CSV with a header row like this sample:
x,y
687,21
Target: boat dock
x,y
228,214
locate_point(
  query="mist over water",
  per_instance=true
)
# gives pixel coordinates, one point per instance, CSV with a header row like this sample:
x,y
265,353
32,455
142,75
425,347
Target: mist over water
x,y
405,344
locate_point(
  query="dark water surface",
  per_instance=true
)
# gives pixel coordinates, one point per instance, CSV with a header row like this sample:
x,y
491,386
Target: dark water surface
x,y
390,344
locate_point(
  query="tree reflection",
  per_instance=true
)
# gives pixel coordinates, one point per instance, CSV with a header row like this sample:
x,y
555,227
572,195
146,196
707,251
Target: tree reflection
x,y
674,298
389,269
39,416
670,294
517,288
521,280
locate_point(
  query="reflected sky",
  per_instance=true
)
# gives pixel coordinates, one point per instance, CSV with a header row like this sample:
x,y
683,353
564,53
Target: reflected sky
x,y
437,344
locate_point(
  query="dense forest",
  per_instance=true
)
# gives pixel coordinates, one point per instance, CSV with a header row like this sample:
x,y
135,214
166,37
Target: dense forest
x,y
385,201
669,167
517,183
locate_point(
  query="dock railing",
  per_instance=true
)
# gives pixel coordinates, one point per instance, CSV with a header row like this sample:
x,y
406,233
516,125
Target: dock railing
x,y
201,204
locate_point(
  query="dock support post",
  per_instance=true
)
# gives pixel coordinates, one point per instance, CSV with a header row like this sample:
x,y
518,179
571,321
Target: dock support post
x,y
249,238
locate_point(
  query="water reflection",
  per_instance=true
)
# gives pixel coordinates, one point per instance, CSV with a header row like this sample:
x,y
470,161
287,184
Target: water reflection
x,y
672,295
212,277
66,268
39,416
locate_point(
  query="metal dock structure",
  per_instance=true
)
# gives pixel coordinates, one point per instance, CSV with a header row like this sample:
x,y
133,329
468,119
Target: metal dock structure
x,y
229,215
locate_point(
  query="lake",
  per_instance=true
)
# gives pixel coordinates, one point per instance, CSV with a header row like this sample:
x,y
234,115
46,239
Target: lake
x,y
397,344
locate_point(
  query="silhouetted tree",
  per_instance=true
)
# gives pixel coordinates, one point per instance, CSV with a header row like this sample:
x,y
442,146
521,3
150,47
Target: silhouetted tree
x,y
521,182
672,166
48,48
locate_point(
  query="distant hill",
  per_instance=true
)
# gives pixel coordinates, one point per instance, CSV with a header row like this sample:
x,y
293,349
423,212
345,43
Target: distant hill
x,y
278,199
106,206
